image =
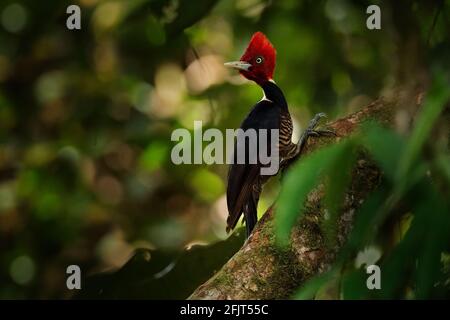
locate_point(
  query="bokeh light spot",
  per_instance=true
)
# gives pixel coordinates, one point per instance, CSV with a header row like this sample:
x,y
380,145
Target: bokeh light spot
x,y
22,270
14,17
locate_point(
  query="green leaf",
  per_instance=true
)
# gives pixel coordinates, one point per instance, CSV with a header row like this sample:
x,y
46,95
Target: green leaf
x,y
384,145
434,227
338,178
299,181
354,285
435,102
442,162
309,289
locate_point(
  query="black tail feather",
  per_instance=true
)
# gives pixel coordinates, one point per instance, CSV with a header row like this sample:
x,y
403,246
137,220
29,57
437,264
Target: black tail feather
x,y
251,217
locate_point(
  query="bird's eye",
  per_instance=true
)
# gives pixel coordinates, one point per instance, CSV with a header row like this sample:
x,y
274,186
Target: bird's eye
x,y
259,60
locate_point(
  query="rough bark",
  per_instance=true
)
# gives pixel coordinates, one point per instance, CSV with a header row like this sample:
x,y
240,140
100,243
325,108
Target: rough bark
x,y
261,269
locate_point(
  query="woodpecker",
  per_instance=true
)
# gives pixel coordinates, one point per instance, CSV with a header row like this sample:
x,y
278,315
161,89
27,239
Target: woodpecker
x,y
245,180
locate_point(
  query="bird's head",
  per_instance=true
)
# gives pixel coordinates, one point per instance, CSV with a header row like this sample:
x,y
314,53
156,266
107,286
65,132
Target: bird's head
x,y
258,61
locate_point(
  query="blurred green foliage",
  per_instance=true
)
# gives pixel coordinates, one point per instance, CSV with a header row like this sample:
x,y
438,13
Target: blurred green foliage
x,y
86,116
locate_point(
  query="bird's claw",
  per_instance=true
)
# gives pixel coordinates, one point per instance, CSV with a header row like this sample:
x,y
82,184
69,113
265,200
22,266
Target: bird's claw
x,y
311,131
315,121
321,133
320,115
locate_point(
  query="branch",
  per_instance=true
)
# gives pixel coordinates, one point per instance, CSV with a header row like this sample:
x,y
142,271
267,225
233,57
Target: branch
x,y
261,269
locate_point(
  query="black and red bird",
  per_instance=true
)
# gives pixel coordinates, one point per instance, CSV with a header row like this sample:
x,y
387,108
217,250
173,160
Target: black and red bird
x,y
245,180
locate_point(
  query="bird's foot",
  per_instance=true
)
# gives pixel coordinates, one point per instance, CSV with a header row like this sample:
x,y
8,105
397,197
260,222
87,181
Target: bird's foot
x,y
320,133
315,121
311,131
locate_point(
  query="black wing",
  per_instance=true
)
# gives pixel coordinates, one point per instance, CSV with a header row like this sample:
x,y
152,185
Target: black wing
x,y
242,177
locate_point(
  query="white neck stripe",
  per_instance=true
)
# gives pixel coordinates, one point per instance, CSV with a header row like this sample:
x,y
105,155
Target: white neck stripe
x,y
265,98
